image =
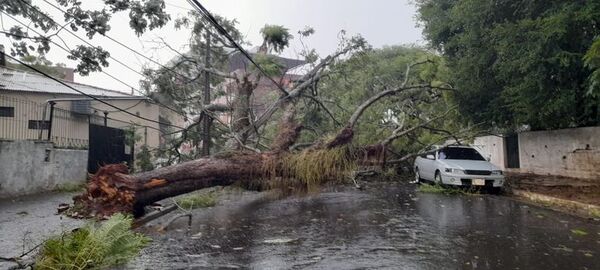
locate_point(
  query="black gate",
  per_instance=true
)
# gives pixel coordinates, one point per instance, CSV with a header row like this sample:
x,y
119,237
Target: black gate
x,y
107,146
511,143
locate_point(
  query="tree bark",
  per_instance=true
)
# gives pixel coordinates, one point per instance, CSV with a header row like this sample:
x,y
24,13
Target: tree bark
x,y
111,190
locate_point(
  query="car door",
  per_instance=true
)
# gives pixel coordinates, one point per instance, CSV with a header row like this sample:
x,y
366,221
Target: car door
x,y
428,167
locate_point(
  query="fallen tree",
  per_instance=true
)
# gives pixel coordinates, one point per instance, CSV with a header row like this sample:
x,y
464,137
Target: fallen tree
x,y
279,166
112,190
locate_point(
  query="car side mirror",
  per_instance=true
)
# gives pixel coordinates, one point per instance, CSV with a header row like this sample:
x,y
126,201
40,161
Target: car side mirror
x,y
430,156
488,159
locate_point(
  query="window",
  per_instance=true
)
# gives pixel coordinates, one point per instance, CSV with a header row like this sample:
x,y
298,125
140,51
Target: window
x,y
459,153
39,124
7,111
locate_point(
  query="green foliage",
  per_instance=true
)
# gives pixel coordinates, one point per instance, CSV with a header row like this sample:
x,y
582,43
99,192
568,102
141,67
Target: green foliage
x,y
592,61
143,15
93,247
305,171
579,232
91,59
131,136
69,187
517,62
196,200
363,75
269,63
144,159
427,188
276,37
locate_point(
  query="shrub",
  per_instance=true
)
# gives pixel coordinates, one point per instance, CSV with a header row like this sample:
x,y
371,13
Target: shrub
x,y
93,246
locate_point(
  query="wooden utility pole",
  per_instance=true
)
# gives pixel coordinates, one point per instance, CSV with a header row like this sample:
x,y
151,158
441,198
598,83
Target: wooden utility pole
x,y
206,101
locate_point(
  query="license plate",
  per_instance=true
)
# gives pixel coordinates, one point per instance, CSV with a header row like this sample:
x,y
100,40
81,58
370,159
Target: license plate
x,y
479,182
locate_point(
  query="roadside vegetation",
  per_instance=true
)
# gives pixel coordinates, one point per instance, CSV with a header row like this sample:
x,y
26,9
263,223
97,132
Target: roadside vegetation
x,y
196,200
93,246
436,188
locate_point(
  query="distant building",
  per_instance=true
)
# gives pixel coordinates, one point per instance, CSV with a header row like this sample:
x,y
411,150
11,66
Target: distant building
x,y
266,92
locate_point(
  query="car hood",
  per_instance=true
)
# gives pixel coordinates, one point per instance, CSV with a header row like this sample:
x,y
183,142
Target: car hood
x,y
469,164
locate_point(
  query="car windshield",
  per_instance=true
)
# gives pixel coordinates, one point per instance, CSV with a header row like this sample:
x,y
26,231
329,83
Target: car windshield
x,y
459,153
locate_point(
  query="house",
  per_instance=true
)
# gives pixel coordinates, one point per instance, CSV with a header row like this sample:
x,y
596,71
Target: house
x,y
266,92
34,107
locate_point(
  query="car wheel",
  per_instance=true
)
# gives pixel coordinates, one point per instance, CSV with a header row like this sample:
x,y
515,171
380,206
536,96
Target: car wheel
x,y
417,176
438,178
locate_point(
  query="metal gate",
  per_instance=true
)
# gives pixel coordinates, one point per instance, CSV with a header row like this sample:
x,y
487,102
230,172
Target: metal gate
x,y
512,151
107,146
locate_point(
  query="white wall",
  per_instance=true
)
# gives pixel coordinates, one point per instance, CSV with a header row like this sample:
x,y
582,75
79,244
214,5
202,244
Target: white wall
x,y
28,167
492,147
567,152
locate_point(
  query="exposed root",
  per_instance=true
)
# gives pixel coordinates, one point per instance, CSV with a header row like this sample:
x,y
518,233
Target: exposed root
x,y
109,191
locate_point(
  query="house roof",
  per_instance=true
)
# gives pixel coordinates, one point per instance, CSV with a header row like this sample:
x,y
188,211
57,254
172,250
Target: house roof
x,y
17,80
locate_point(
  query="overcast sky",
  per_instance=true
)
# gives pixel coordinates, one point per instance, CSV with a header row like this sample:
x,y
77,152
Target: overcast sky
x,y
381,22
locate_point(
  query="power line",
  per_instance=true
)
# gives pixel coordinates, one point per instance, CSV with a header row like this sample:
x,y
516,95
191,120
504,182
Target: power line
x,y
204,12
69,52
118,42
78,37
87,95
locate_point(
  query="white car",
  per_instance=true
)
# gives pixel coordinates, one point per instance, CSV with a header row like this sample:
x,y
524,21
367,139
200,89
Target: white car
x,y
458,166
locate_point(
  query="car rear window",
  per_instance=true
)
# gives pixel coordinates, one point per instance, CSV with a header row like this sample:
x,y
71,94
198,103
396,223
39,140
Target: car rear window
x,y
459,153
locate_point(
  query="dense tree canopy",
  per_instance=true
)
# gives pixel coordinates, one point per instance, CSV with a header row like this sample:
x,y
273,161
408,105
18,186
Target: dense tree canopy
x,y
356,79
518,62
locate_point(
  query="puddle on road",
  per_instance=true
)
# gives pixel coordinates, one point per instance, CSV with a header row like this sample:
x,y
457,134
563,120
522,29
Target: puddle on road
x,y
386,226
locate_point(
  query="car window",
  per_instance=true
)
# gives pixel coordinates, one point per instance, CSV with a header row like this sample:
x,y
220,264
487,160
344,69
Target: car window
x,y
459,153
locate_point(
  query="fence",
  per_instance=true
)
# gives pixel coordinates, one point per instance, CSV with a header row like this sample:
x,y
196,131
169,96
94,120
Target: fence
x,y
28,120
22,119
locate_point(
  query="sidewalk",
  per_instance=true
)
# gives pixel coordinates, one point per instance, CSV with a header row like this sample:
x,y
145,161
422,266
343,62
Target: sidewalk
x,y
27,221
578,196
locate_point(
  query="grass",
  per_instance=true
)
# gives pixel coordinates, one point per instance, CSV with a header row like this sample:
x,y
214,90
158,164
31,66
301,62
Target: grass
x,y
93,247
194,201
579,232
309,169
594,213
69,187
436,188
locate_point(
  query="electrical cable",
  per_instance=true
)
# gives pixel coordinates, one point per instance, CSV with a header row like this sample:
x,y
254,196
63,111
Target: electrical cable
x,y
204,12
87,95
69,52
118,42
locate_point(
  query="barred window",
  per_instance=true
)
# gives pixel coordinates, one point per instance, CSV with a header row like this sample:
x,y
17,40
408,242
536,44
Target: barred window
x,y
7,111
39,124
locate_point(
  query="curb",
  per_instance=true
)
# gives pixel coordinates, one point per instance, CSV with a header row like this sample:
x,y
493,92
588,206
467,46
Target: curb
x,y
573,207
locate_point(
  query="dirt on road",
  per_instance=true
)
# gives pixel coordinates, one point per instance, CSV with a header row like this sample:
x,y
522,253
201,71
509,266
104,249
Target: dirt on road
x,y
574,189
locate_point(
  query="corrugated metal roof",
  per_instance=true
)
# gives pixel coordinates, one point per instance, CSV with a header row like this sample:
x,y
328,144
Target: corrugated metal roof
x,y
16,80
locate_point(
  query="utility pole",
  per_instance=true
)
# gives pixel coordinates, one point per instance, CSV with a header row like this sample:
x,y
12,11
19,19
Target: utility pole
x,y
206,101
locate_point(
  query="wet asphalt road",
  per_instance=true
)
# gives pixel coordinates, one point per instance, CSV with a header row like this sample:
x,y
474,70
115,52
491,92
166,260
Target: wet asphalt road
x,y
386,226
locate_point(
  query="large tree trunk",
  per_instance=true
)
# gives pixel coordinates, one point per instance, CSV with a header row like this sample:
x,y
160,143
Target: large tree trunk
x,y
111,190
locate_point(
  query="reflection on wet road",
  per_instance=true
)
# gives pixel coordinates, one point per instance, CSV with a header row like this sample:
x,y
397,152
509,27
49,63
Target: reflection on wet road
x,y
386,226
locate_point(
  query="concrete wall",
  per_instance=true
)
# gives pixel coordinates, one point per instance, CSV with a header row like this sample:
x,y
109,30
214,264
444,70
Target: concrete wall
x,y
567,152
28,167
492,147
